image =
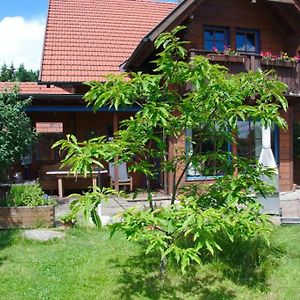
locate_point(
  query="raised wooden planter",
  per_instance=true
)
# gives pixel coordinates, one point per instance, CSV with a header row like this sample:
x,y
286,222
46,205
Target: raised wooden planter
x,y
26,217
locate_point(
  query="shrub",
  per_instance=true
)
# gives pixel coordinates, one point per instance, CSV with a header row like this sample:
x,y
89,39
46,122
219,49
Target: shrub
x,y
27,195
202,224
16,133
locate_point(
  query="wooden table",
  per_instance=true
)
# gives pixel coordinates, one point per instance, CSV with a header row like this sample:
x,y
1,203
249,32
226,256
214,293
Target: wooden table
x,y
66,174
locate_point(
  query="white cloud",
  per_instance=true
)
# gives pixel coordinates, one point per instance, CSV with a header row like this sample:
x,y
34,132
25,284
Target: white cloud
x,y
21,41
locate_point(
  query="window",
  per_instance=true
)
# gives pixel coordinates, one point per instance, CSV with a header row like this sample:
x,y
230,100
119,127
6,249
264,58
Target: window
x,y
249,142
208,168
249,145
247,40
49,133
215,38
49,127
249,139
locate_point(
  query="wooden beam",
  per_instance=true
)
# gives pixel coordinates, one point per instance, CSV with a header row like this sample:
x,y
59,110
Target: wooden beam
x,y
273,15
297,4
282,1
286,11
176,17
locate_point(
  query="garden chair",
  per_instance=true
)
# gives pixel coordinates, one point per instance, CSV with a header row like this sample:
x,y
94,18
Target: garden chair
x,y
124,179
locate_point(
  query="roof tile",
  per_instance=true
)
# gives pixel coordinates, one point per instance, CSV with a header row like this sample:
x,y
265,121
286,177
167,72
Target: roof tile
x,y
34,88
86,39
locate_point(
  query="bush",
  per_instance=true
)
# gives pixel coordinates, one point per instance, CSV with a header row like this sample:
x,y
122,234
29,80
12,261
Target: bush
x,y
30,195
16,133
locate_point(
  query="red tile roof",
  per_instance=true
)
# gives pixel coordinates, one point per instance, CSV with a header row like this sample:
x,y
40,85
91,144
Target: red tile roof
x,y
86,39
34,88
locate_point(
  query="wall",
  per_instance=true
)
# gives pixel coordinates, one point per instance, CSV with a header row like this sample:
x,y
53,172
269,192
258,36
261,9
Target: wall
x,y
286,165
83,125
286,176
233,14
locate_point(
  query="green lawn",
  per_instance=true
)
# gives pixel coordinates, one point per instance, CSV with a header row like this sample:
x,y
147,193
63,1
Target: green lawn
x,y
87,264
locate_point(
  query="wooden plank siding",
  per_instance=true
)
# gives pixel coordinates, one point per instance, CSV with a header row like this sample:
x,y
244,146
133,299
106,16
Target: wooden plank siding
x,y
286,173
83,125
26,217
234,14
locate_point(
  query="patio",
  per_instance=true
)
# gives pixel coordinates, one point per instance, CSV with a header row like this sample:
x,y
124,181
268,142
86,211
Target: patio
x,y
289,203
115,205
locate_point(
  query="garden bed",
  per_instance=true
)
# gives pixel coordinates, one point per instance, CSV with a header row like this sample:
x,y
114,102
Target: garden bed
x,y
26,217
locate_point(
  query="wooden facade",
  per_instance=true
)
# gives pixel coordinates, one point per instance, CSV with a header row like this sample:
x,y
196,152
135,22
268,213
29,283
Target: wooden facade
x,y
276,25
84,125
286,168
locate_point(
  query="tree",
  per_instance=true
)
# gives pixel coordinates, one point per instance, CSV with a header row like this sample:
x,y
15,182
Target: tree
x,y
20,75
11,72
186,94
16,134
4,75
24,75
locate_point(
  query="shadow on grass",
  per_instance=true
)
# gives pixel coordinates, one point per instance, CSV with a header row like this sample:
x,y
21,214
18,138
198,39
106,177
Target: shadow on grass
x,y
7,237
6,240
242,264
249,263
140,279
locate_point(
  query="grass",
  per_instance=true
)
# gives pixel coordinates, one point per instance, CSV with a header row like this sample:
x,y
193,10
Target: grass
x,y
87,264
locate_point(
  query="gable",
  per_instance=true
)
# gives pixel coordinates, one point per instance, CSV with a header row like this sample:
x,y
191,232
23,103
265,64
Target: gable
x,y
277,21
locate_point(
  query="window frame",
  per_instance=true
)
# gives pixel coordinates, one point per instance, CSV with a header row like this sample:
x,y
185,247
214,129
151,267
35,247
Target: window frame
x,y
216,28
252,142
256,33
188,146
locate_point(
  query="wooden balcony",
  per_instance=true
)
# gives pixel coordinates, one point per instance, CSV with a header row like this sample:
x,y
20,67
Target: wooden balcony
x,y
287,72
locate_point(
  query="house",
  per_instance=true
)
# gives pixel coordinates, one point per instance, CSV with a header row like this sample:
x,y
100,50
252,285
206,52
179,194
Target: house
x,y
85,40
250,28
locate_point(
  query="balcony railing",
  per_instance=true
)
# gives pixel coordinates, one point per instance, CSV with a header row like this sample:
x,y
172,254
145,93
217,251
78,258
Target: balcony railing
x,y
286,71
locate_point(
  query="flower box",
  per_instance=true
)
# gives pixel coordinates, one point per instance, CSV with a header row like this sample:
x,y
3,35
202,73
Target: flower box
x,y
26,217
278,63
227,58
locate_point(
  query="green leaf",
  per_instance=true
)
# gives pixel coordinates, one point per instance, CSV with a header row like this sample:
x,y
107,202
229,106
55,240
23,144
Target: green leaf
x,y
209,248
95,218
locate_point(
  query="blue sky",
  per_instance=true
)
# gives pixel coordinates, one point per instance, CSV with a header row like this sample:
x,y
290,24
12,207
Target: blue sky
x,y
27,8
22,27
